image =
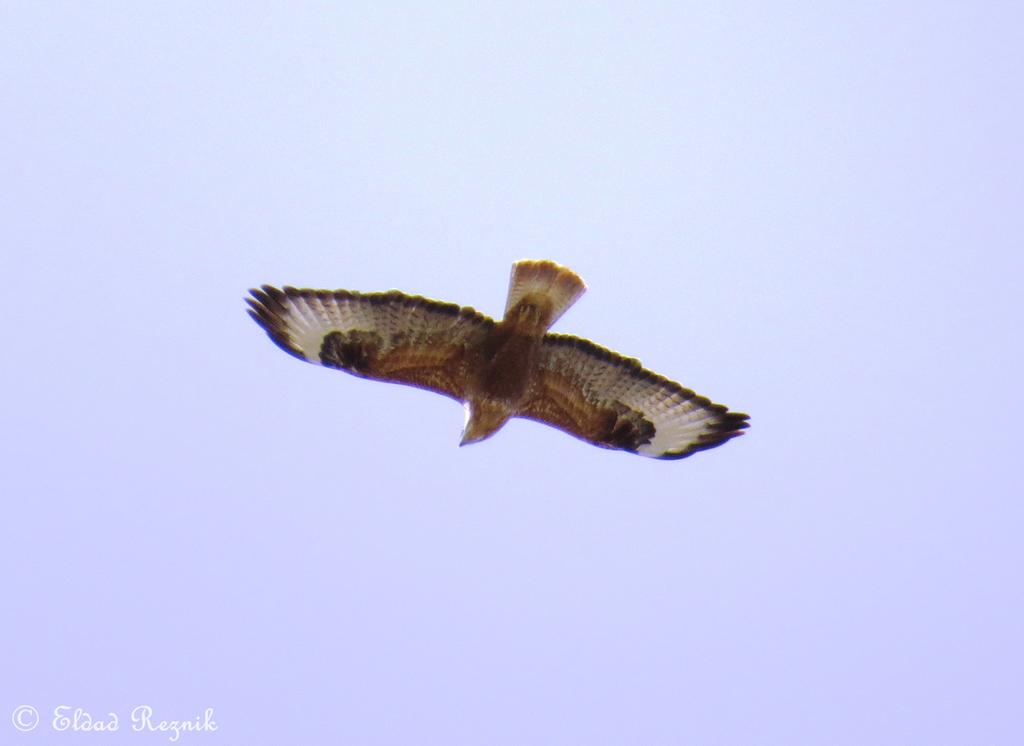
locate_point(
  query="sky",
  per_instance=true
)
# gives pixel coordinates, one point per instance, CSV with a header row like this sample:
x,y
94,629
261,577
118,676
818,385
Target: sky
x,y
810,212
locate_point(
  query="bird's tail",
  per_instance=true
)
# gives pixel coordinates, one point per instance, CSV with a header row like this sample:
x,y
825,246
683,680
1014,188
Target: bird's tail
x,y
540,291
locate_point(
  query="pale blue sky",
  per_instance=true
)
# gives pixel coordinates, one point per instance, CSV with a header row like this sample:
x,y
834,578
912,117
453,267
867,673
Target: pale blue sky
x,y
810,212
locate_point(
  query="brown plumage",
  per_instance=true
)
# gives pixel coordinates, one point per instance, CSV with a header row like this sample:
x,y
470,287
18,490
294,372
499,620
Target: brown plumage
x,y
510,368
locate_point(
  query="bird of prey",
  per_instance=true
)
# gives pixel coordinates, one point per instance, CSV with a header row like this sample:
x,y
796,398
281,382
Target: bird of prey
x,y
499,369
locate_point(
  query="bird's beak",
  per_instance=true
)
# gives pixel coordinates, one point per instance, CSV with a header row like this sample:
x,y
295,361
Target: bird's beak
x,y
474,432
481,425
467,433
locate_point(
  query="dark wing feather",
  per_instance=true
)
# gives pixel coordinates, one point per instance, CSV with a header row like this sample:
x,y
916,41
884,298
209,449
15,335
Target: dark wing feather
x,y
383,336
614,402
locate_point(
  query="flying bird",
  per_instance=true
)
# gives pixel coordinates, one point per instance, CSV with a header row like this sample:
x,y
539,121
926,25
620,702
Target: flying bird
x,y
499,369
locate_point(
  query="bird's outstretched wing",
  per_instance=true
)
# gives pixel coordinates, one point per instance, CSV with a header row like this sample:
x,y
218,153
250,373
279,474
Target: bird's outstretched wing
x,y
384,336
614,402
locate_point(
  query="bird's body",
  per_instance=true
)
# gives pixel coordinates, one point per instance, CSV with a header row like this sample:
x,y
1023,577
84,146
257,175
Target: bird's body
x,y
539,293
513,367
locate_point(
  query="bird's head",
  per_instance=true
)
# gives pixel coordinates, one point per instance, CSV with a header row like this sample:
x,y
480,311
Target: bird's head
x,y
483,419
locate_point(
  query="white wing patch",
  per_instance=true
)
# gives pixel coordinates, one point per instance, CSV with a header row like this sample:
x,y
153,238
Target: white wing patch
x,y
682,421
310,319
678,426
298,320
